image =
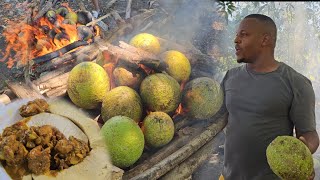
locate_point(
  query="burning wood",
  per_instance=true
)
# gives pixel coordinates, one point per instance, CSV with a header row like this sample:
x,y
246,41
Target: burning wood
x,y
52,55
54,30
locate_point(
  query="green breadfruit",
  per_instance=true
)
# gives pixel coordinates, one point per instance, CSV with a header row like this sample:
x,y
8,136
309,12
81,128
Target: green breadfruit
x,y
124,140
158,129
160,92
202,97
289,158
123,101
87,85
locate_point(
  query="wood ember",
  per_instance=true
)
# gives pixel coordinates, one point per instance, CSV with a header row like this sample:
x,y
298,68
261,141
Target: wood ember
x,y
59,52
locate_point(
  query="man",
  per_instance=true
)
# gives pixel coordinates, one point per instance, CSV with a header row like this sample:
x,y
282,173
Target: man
x,y
264,99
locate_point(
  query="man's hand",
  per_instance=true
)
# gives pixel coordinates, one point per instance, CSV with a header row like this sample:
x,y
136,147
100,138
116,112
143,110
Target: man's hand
x,y
301,138
310,139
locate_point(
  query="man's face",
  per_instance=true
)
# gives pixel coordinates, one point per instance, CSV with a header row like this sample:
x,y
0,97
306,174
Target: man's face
x,y
248,40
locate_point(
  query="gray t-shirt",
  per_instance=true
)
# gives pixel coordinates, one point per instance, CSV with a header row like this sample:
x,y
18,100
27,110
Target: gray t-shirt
x,y
261,107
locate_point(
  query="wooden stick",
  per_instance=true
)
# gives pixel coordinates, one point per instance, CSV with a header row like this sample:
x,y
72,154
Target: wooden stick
x,y
99,19
138,51
117,17
187,167
147,26
110,4
177,157
128,9
21,90
129,53
66,58
43,11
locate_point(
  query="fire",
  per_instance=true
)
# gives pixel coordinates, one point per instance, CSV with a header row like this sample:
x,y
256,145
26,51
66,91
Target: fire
x,y
27,42
146,69
179,109
109,65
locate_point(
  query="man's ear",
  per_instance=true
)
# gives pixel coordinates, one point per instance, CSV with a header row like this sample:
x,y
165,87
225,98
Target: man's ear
x,y
266,39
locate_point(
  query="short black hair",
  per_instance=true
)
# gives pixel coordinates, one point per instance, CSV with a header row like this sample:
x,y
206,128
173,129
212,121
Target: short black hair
x,y
267,20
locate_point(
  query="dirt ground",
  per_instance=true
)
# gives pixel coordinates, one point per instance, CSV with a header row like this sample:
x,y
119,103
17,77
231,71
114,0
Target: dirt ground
x,y
200,35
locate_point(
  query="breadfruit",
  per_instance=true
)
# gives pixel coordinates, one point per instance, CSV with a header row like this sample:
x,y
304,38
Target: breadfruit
x,y
72,16
124,139
126,77
87,85
158,129
177,65
160,92
147,42
202,98
123,101
289,158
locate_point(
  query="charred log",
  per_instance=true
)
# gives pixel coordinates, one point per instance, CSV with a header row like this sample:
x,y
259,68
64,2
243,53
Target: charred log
x,y
59,52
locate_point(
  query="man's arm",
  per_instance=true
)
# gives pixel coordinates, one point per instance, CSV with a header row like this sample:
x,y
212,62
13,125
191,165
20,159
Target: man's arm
x,y
310,139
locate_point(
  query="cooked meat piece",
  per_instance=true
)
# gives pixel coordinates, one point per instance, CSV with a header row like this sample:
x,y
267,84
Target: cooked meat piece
x,y
13,130
12,151
42,142
57,136
34,107
80,147
29,110
30,144
46,133
63,146
71,151
39,160
44,106
59,162
80,151
16,172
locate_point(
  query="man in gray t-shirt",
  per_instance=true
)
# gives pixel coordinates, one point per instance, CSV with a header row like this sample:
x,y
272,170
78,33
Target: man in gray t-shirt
x,y
265,99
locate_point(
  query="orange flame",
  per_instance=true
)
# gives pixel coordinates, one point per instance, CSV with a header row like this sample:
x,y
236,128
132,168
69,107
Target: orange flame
x,y
110,62
28,42
146,69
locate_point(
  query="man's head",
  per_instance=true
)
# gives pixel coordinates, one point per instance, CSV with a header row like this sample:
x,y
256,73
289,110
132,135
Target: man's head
x,y
255,36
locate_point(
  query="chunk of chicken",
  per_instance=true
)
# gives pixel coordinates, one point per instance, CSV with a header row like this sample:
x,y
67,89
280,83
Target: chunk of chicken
x,y
12,151
39,160
70,152
34,107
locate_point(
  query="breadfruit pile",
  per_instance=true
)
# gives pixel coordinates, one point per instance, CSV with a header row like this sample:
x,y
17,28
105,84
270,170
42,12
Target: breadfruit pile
x,y
137,104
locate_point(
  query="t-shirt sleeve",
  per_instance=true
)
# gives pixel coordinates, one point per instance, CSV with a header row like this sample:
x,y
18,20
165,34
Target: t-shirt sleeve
x,y
302,111
223,107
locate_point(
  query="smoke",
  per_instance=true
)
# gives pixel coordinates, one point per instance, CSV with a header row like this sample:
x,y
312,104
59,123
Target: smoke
x,y
303,50
185,22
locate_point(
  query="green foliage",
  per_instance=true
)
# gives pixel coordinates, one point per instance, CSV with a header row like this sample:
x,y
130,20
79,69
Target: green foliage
x,y
226,8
